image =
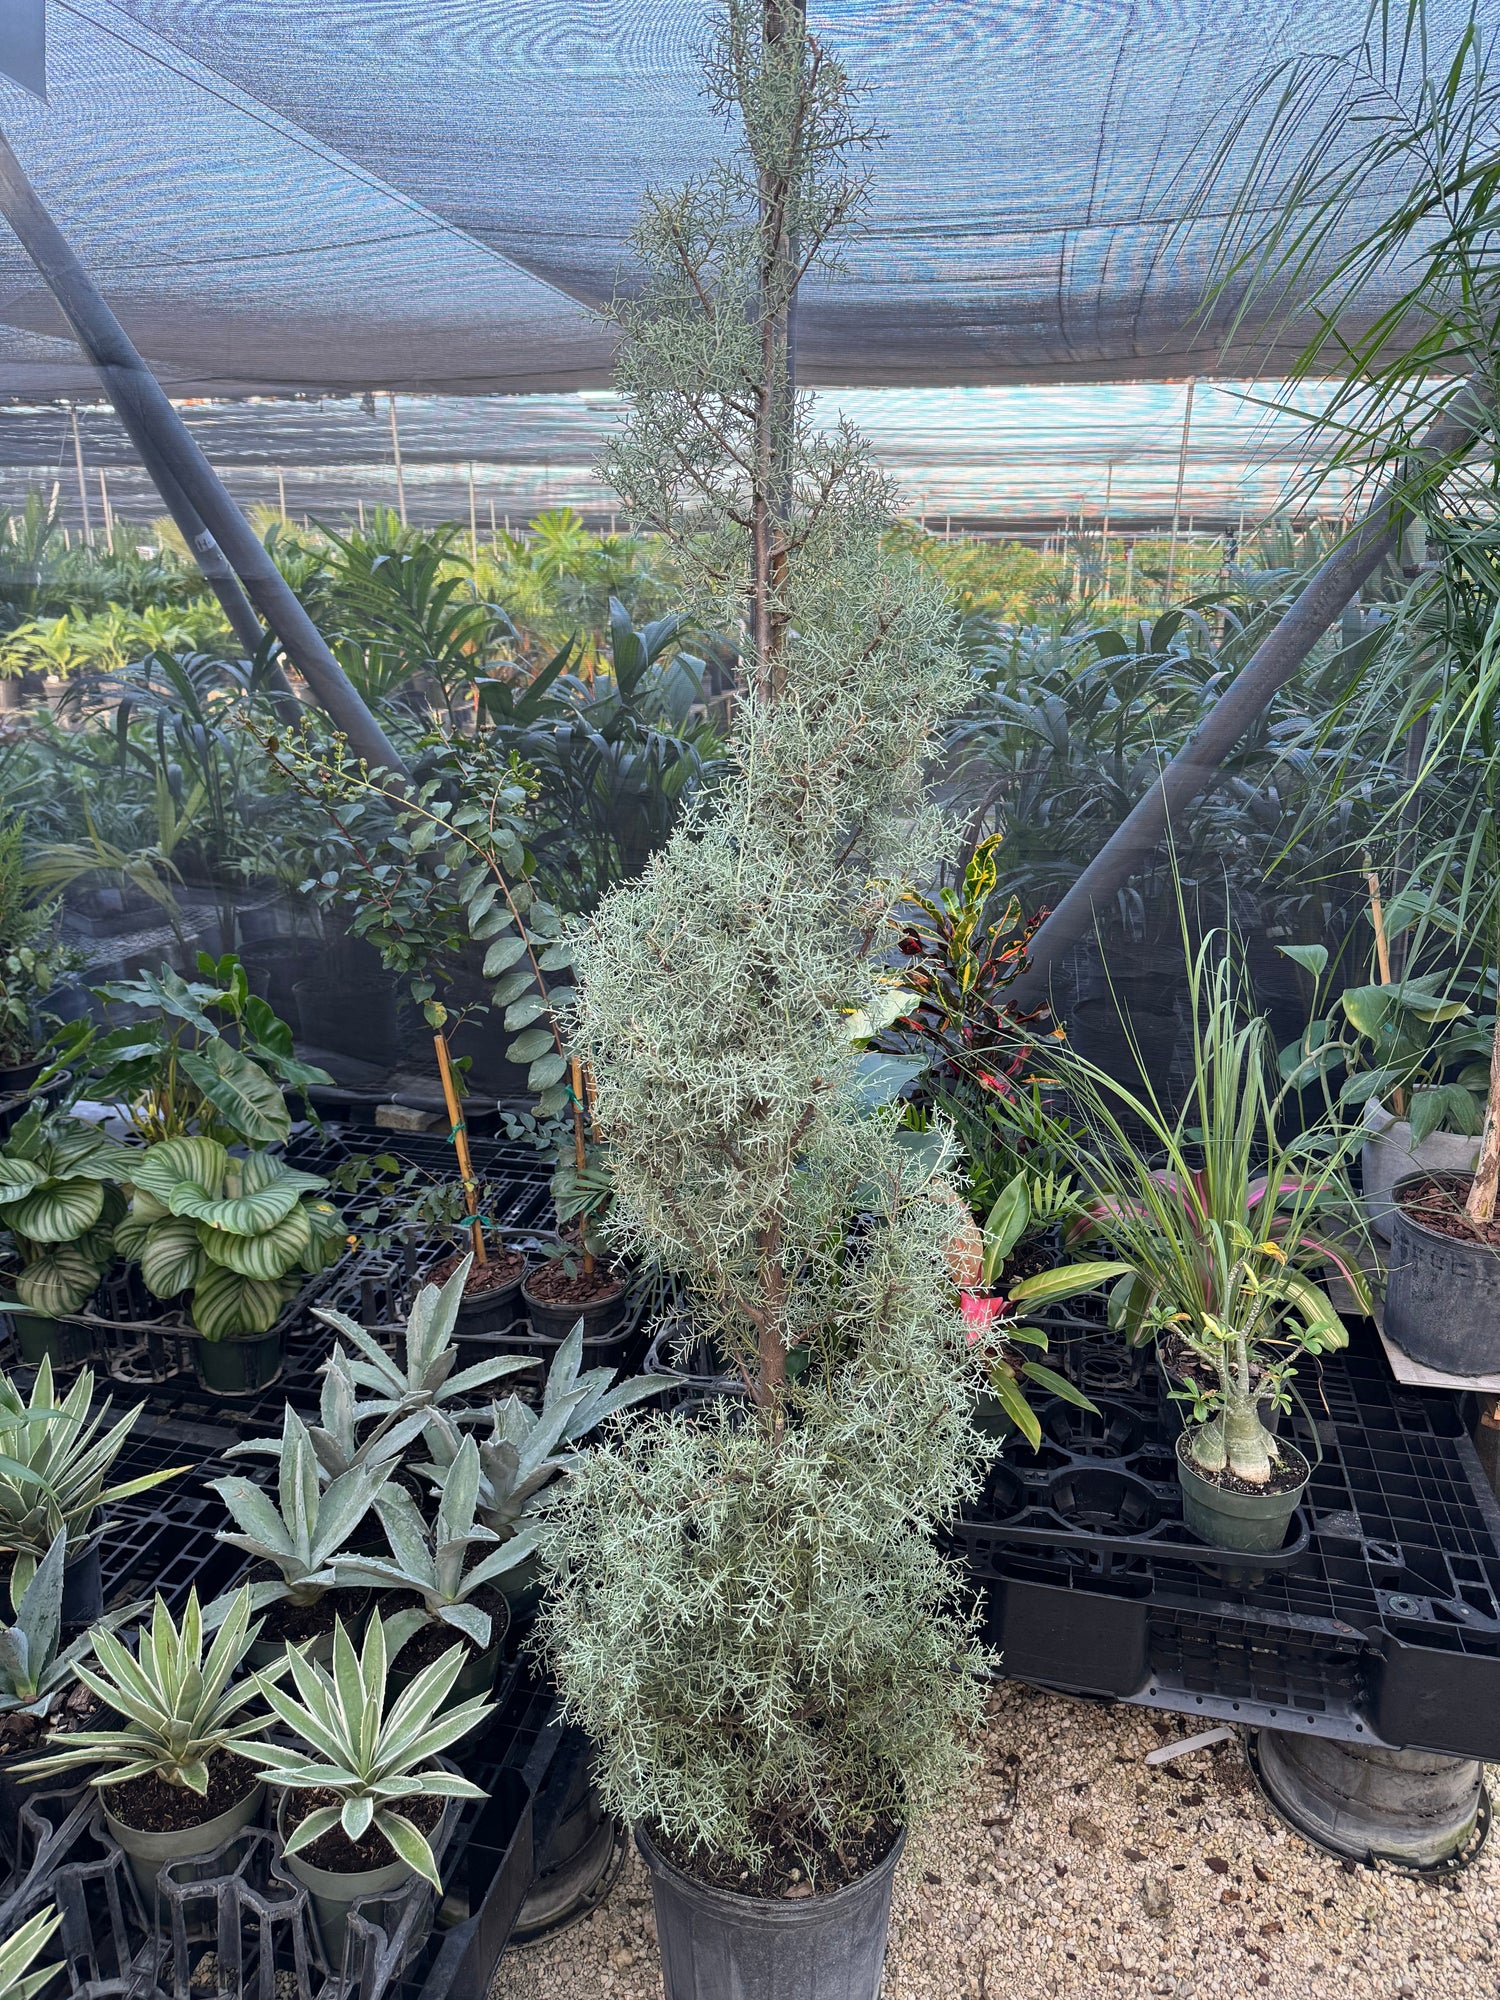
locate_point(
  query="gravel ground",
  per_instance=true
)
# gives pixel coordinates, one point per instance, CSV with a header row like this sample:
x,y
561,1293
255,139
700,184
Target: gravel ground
x,y
1074,1869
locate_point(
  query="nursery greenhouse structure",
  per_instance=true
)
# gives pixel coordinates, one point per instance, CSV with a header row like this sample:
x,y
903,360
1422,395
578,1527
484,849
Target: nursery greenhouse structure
x,y
749,999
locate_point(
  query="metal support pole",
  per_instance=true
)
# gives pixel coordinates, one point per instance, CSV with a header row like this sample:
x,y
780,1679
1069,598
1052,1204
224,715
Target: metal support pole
x,y
396,454
1269,668
281,491
83,490
108,512
164,441
473,522
1187,425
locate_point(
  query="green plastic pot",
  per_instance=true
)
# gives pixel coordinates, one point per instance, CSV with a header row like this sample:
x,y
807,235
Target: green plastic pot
x,y
148,1853
334,1893
239,1367
60,1341
1250,1523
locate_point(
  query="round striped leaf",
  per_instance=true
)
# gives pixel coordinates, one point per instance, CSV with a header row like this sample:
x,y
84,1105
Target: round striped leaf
x,y
165,1167
225,1304
60,1280
171,1259
269,1255
57,1211
18,1178
241,1215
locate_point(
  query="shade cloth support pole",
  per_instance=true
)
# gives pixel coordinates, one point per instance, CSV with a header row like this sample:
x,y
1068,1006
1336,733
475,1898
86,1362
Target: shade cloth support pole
x,y
164,441
1187,426
83,488
396,454
1278,656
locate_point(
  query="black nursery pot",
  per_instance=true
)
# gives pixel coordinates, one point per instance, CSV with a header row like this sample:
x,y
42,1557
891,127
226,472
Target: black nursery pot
x,y
1442,1295
17,1077
715,1943
83,1587
238,1367
59,1341
554,1319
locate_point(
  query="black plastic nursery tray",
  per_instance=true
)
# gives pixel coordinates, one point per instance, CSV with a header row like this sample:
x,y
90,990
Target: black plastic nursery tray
x,y
1380,1620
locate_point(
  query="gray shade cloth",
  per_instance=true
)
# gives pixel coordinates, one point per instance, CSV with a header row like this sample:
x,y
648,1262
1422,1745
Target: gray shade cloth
x,y
432,194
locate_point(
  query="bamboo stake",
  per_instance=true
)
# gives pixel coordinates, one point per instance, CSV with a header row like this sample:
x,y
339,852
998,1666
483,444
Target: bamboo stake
x,y
1382,958
460,1137
580,1148
1480,1207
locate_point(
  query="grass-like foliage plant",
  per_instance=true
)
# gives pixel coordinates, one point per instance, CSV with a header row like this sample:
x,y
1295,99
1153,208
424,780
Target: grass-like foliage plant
x,y
372,1758
747,1612
1222,1222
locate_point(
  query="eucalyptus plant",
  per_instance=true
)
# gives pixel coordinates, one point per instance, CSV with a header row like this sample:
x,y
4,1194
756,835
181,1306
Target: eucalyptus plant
x,y
180,1706
306,1527
371,1754
748,1612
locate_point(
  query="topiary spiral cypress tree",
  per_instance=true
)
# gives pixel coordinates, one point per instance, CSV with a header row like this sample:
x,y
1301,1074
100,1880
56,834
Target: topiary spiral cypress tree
x,y
747,1610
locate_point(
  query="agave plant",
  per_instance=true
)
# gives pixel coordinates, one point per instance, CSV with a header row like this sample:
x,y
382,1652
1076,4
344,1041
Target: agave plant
x,y
337,1445
526,1450
306,1527
32,1670
233,1231
17,1981
372,1761
54,1460
422,1381
180,1708
61,1201
444,1561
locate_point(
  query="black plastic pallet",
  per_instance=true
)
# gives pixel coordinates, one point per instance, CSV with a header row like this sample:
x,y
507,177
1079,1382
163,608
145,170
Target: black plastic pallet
x,y
1380,1621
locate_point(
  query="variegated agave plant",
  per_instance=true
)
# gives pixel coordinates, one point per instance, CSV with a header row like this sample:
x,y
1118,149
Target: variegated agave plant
x,y
54,1461
17,1980
442,1561
61,1202
180,1708
235,1232
372,1761
32,1670
527,1450
305,1526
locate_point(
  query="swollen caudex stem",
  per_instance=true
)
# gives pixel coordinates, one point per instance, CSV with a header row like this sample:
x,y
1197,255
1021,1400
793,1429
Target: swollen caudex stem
x,y
1235,1440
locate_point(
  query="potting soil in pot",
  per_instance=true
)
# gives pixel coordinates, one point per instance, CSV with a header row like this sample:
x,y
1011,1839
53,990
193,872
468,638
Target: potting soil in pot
x,y
786,1875
286,1623
1437,1202
432,1641
504,1268
151,1805
552,1285
335,1851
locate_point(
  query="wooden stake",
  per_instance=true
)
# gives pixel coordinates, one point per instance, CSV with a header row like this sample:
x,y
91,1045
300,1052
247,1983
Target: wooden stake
x,y
580,1147
460,1133
1480,1207
1382,959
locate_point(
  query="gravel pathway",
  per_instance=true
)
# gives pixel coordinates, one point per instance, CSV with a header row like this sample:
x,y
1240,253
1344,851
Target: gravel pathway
x,y
1074,1869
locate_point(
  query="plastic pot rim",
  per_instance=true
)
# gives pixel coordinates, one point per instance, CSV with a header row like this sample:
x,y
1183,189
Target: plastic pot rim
x,y
770,1910
1463,1244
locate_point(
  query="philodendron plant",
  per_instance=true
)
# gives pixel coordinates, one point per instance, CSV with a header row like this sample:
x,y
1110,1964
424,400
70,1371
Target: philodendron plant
x,y
236,1232
527,1450
180,1707
305,1527
54,1465
445,1562
60,1199
369,1759
422,1381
